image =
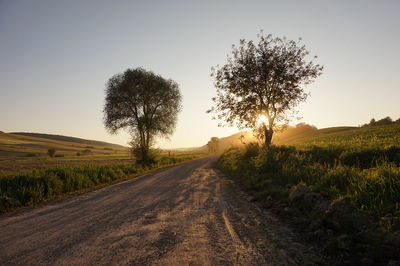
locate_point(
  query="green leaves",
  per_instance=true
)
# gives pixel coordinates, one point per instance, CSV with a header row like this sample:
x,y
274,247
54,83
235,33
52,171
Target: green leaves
x,y
144,103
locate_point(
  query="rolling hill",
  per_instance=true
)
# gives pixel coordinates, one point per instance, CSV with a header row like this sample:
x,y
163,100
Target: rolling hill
x,y
67,139
360,137
22,144
305,135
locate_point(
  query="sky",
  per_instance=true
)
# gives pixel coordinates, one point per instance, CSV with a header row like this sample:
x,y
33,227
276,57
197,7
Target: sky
x,y
56,57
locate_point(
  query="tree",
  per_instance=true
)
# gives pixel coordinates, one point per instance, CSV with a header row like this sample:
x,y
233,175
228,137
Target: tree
x,y
384,121
262,83
51,152
145,104
213,145
372,122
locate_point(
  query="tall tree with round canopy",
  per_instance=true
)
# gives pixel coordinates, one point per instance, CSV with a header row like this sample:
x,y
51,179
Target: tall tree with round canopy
x,y
145,104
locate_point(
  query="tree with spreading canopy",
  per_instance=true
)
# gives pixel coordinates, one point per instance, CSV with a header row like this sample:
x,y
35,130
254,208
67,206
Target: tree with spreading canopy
x,y
145,104
262,83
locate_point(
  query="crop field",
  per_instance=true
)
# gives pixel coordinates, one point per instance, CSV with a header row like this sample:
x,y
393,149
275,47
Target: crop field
x,y
20,152
20,145
28,175
375,137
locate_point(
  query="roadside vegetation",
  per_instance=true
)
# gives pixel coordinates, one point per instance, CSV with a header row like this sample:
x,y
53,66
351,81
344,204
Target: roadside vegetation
x,y
26,188
341,186
39,167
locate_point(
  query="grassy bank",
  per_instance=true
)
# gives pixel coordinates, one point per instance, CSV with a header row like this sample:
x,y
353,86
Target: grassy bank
x,y
370,178
336,190
34,186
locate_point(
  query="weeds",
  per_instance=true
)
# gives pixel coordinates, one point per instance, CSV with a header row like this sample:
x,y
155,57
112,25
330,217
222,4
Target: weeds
x,y
32,187
370,177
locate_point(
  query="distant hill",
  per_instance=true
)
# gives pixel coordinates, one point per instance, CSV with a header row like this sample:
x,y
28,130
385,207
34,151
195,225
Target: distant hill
x,y
235,140
67,139
372,137
303,133
306,135
21,144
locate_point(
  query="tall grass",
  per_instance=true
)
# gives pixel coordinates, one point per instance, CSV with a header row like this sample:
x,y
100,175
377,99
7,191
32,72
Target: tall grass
x,y
35,186
370,177
31,187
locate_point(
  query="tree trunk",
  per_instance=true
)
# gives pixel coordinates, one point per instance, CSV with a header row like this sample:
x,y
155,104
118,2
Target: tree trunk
x,y
145,156
268,136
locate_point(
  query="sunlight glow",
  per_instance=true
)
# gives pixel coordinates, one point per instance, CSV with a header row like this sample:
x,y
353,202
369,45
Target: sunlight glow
x,y
262,120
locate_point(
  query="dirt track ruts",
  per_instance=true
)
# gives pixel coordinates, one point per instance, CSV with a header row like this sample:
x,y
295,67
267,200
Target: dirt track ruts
x,y
175,216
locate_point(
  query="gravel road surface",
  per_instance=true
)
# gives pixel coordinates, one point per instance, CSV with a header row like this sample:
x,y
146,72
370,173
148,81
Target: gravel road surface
x,y
188,214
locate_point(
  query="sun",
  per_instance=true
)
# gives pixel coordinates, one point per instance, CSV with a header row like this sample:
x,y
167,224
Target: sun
x,y
262,120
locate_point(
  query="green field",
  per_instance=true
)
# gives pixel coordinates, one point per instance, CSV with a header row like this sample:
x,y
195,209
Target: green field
x,y
28,175
27,151
348,137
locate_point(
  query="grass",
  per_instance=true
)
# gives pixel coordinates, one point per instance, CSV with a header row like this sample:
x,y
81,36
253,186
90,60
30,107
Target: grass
x,y
376,137
28,175
23,189
26,188
362,164
332,167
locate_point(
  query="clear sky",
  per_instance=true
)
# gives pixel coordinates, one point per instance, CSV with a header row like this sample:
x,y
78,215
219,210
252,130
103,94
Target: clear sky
x,y
56,56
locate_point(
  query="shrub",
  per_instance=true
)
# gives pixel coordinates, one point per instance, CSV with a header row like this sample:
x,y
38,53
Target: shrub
x,y
51,152
152,155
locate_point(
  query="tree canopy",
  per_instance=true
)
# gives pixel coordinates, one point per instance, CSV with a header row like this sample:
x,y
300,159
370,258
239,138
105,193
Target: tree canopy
x,y
145,104
262,83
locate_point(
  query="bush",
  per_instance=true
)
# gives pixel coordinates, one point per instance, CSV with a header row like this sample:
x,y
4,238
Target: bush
x,y
384,121
153,155
51,152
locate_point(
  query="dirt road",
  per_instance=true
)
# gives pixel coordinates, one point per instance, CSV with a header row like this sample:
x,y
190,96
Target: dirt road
x,y
176,216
